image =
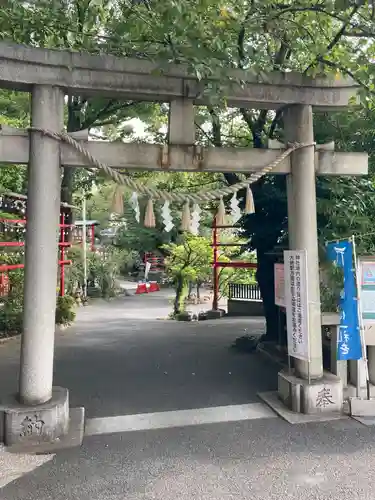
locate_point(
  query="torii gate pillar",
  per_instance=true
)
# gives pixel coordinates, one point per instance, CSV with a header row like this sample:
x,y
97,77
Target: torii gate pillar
x,y
308,390
41,413
303,228
42,214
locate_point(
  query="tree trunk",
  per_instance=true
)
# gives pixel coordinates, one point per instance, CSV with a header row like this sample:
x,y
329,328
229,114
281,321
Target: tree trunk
x,y
268,214
67,183
198,290
178,301
73,125
265,277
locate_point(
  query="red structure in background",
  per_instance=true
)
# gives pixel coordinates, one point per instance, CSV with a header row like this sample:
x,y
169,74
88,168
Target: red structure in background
x,y
4,284
5,268
77,237
216,265
64,243
157,262
90,232
16,203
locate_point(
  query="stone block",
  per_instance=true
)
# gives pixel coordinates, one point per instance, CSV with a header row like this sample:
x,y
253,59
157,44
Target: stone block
x,y
273,400
185,316
362,407
215,313
318,396
72,439
289,390
322,396
35,425
350,391
252,308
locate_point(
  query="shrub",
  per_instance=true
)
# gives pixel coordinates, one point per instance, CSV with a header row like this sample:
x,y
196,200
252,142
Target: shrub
x,y
331,284
103,270
12,306
10,321
65,314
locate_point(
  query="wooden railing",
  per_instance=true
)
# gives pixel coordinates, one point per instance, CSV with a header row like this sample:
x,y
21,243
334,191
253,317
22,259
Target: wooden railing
x,y
240,291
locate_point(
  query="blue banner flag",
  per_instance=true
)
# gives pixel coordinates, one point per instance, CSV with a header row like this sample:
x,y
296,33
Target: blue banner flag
x,y
349,341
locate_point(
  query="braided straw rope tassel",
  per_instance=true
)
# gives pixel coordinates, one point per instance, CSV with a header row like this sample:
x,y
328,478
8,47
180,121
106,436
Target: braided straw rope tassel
x,y
118,201
185,220
220,216
249,204
149,214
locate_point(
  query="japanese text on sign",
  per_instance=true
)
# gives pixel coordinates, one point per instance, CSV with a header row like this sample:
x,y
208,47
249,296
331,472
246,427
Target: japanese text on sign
x,y
279,285
296,303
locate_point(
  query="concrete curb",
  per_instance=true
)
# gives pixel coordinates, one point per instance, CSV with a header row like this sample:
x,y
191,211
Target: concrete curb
x,y
13,338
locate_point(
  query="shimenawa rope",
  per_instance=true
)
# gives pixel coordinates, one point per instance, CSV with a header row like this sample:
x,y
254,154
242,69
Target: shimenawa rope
x,y
155,194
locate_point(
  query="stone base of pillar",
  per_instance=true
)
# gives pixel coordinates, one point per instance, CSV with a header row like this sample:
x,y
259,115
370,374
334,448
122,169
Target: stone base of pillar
x,y
45,426
350,391
314,398
362,407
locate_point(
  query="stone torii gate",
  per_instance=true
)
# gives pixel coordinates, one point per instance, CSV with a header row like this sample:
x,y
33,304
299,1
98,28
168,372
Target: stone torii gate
x,y
40,413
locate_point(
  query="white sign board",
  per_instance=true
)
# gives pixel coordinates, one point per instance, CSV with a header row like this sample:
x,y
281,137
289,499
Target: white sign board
x,y
296,302
279,285
366,278
366,281
147,269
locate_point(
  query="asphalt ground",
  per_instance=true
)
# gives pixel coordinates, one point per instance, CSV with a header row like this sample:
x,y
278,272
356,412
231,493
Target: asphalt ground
x,y
133,371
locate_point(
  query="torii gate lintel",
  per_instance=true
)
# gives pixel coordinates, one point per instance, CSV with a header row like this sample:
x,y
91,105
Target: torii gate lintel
x,y
15,149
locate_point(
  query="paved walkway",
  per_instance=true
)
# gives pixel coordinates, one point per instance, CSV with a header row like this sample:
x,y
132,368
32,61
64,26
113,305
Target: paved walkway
x,y
205,435
119,359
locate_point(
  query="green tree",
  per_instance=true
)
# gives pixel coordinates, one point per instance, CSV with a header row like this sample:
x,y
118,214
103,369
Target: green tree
x,y
75,25
14,112
189,260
